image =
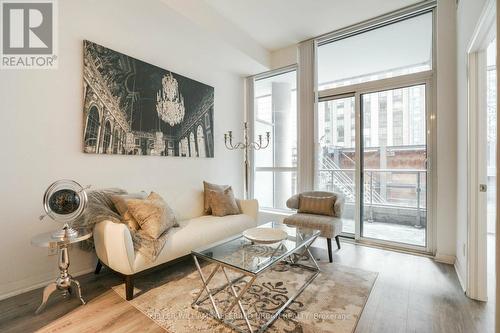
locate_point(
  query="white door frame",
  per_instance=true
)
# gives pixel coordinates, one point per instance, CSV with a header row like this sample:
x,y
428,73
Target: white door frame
x,y
357,90
476,279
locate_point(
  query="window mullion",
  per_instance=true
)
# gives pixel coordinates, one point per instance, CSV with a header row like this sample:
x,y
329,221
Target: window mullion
x,y
358,167
374,86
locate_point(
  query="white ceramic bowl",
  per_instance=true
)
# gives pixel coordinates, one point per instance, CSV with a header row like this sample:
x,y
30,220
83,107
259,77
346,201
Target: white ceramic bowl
x,y
265,235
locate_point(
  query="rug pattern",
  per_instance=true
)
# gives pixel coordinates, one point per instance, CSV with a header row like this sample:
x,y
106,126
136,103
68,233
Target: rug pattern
x,y
333,302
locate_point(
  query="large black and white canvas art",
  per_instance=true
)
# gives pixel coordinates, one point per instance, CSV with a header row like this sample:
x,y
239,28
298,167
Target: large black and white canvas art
x,y
134,108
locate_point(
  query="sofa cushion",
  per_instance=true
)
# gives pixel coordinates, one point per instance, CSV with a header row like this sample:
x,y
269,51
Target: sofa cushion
x,y
195,233
152,214
328,225
223,203
293,201
316,205
121,204
210,187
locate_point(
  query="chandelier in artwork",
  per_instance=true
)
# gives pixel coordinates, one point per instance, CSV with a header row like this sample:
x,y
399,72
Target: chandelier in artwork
x,y
169,101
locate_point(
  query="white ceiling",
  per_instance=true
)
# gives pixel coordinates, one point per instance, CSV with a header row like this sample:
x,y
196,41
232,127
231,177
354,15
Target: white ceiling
x,y
276,24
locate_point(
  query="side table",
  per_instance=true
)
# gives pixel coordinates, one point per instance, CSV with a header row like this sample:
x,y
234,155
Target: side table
x,y
65,280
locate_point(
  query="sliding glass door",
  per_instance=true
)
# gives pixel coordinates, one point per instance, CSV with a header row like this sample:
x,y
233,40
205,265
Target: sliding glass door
x,y
391,163
394,165
372,128
336,138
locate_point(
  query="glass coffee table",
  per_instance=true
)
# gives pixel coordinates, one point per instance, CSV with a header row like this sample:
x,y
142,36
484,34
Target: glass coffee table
x,y
247,261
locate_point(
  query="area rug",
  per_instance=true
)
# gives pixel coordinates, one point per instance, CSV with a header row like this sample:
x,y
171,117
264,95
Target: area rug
x,y
333,302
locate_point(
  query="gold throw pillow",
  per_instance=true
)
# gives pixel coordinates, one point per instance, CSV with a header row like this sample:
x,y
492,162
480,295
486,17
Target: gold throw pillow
x,y
316,205
152,214
120,202
223,203
211,187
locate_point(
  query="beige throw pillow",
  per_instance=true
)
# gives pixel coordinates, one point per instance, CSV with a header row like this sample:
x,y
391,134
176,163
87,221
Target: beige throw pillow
x,y
223,203
152,214
211,187
316,205
120,202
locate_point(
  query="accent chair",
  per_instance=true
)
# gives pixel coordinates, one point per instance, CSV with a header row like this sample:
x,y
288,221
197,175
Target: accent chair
x,y
329,225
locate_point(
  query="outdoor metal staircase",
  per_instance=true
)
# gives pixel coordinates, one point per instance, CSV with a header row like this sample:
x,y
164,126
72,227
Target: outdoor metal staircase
x,y
341,181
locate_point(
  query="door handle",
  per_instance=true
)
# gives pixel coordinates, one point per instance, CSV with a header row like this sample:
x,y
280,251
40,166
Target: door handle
x,y
483,187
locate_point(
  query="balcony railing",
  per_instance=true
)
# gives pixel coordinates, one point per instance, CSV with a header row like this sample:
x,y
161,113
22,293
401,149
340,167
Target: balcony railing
x,y
394,195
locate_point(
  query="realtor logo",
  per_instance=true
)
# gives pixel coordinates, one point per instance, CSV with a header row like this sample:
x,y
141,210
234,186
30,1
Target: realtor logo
x,y
28,34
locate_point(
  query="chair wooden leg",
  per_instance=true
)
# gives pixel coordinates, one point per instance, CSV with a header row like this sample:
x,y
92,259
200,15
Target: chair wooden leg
x,y
98,267
337,239
129,287
329,243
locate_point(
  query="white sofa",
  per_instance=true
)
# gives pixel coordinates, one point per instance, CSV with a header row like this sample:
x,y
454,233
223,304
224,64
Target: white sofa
x,y
113,242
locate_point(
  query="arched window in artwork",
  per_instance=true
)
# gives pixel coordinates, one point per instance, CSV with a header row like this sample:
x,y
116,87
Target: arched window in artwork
x,y
106,142
92,130
192,145
116,141
122,142
200,138
184,147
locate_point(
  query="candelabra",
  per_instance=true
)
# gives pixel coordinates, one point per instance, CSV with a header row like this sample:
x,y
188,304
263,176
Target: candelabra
x,y
246,145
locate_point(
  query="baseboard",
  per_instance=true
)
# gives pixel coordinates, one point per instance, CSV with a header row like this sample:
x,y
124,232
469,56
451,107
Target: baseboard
x,y
459,275
445,258
35,285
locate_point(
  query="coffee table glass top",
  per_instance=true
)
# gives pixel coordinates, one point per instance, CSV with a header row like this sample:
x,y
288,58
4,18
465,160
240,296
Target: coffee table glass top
x,y
241,254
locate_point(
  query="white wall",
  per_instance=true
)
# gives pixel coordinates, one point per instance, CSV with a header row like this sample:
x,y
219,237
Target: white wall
x,y
284,57
445,165
41,117
468,13
204,15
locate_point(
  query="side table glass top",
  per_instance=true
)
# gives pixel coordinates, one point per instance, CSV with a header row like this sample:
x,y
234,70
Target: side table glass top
x,y
241,254
47,240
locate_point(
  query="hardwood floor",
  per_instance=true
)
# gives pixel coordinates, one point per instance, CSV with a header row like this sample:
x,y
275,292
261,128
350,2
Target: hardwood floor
x,y
105,311
415,294
412,294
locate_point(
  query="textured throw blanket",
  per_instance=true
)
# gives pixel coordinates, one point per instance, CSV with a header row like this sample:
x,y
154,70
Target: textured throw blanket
x,y
101,208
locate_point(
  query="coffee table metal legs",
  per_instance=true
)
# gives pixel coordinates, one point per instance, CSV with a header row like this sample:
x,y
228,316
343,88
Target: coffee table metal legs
x,y
205,286
237,298
63,283
220,314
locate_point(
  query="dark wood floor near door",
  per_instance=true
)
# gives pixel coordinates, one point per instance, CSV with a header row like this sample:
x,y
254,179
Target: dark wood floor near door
x,y
412,294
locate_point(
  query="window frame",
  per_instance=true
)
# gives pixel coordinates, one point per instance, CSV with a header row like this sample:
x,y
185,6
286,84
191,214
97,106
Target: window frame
x,y
307,90
426,78
251,110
